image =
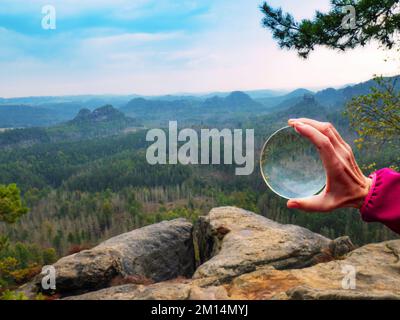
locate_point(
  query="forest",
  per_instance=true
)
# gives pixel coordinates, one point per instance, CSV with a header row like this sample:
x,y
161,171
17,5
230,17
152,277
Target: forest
x,y
80,189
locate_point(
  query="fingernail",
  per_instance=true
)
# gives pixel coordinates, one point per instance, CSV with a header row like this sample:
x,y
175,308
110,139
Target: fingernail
x,y
292,121
297,125
293,205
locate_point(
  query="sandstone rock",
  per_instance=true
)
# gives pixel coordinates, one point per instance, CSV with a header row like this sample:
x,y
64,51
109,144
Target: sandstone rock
x,y
159,252
377,269
239,255
208,293
377,277
340,247
231,241
158,291
170,290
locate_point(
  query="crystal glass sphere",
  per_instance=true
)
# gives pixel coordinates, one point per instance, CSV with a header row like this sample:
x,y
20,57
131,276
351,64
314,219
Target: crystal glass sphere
x,y
291,165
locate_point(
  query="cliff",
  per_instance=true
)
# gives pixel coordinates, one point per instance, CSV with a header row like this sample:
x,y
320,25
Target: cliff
x,y
228,254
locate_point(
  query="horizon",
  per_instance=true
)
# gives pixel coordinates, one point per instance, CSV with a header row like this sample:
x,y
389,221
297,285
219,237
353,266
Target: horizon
x,y
156,48
274,92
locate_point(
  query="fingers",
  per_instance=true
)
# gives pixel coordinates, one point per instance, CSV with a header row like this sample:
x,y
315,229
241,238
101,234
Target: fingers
x,y
320,126
314,123
343,149
322,142
325,128
318,203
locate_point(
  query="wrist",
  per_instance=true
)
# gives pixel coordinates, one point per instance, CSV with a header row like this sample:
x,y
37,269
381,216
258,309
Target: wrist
x,y
365,188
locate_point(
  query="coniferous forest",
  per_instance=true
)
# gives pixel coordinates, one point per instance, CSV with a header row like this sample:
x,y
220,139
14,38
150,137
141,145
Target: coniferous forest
x,y
87,179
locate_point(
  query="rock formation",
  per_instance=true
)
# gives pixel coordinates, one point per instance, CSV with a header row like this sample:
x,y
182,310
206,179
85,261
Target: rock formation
x,y
232,242
158,252
228,254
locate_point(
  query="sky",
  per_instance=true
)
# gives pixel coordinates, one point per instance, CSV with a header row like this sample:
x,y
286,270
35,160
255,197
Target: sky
x,y
160,47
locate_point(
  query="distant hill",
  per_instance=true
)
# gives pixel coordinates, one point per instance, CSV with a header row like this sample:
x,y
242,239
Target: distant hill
x,y
92,101
308,107
235,101
16,116
102,122
159,111
283,101
106,114
49,111
42,115
141,106
298,93
259,94
305,106
212,110
336,98
330,98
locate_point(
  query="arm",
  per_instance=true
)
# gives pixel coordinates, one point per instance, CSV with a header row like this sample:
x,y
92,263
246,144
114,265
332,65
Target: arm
x,y
382,203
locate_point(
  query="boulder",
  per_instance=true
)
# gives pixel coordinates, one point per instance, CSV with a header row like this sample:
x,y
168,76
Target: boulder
x,y
231,241
158,291
239,255
170,290
377,276
158,252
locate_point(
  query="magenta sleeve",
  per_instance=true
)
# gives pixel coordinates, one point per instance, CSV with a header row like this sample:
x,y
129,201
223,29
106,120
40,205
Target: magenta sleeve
x,y
383,201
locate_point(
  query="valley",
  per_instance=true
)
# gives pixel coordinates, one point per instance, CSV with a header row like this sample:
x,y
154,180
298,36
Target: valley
x,y
85,178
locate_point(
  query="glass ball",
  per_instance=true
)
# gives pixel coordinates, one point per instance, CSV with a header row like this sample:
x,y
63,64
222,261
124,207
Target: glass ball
x,y
291,165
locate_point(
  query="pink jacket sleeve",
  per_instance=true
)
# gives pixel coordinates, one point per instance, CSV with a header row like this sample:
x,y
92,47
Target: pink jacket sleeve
x,y
383,201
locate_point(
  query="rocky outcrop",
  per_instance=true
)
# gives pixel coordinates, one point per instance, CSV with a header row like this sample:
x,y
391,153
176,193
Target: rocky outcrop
x,y
376,269
231,254
159,291
377,276
232,241
158,252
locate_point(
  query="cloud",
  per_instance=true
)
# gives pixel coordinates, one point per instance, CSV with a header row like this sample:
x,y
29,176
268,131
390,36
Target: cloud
x,y
165,46
130,39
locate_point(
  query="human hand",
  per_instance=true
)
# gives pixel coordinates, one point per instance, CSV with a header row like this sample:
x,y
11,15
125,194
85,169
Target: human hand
x,y
346,185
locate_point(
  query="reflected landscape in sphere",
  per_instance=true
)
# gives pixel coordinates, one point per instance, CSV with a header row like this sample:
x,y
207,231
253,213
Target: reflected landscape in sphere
x,y
291,166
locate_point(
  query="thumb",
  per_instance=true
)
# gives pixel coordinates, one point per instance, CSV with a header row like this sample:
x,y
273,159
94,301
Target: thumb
x,y
316,203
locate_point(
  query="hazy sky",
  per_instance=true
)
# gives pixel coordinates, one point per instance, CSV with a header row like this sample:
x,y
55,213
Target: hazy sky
x,y
164,46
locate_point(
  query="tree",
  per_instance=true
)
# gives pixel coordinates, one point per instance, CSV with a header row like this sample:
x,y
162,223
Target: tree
x,y
49,256
376,116
4,243
375,20
11,209
11,206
